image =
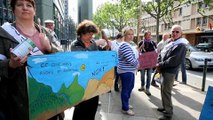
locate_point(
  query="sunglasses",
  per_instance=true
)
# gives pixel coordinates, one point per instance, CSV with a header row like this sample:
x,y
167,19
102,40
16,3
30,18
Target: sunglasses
x,y
175,31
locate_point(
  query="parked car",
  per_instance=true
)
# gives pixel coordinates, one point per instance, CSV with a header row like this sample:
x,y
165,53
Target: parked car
x,y
207,47
195,58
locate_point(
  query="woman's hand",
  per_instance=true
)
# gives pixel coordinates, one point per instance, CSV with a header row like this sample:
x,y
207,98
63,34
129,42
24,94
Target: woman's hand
x,y
158,68
45,42
16,61
101,42
141,47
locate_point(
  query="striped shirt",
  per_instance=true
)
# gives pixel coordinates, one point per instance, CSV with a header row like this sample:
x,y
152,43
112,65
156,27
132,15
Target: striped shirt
x,y
127,58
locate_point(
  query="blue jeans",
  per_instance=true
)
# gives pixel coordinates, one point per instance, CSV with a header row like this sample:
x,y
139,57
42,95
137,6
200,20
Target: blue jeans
x,y
127,81
148,77
183,71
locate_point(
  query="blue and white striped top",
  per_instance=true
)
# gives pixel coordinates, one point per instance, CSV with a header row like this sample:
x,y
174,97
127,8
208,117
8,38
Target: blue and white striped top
x,y
127,58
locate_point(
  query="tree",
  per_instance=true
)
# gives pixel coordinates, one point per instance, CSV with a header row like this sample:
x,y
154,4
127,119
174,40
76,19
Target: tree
x,y
118,15
160,9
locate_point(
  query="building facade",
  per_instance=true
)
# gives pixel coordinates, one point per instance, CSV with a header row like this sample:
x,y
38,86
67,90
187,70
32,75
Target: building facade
x,y
66,16
5,13
45,9
85,10
52,9
196,28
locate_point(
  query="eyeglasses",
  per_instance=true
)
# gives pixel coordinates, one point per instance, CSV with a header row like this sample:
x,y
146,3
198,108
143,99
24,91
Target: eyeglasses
x,y
176,32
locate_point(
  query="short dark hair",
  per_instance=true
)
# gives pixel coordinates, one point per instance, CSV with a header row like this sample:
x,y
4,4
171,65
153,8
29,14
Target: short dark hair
x,y
13,4
87,26
119,35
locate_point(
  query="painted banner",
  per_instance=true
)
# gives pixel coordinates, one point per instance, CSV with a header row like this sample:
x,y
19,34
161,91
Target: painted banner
x,y
59,81
147,60
207,110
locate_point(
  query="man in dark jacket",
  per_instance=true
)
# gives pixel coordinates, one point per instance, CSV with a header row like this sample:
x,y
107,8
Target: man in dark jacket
x,y
168,64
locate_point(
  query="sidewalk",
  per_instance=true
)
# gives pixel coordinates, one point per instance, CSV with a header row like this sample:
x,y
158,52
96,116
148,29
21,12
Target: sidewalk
x,y
187,101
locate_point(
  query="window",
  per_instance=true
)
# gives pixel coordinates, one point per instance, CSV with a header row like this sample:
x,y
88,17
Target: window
x,y
202,5
180,11
198,21
204,21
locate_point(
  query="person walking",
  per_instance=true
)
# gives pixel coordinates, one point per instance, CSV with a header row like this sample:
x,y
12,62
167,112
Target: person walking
x,y
165,40
85,31
13,82
127,66
115,44
169,61
146,45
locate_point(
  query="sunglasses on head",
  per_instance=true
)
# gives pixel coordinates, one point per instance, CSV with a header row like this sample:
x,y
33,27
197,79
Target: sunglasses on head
x,y
175,31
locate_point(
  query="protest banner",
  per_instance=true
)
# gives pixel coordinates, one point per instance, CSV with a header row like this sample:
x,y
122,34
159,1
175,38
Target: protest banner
x,y
147,60
59,81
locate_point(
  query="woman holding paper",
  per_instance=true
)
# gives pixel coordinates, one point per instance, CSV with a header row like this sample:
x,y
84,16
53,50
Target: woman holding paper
x,y
146,45
13,84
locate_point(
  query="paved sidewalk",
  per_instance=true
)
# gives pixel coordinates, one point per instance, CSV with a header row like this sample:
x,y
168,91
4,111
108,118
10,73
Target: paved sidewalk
x,y
187,101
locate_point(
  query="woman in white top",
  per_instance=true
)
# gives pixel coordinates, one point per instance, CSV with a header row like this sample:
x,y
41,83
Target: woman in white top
x,y
114,47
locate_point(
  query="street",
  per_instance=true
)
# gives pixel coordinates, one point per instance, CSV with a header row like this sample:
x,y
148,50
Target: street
x,y
195,78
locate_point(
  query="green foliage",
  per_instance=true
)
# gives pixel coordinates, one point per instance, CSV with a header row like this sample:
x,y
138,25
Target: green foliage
x,y
43,99
74,91
160,10
202,6
117,14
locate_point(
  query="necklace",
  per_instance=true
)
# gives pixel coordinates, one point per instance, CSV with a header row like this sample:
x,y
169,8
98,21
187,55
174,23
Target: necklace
x,y
30,32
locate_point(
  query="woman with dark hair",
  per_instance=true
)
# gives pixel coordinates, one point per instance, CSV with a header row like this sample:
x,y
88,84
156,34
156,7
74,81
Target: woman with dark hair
x,y
13,84
85,42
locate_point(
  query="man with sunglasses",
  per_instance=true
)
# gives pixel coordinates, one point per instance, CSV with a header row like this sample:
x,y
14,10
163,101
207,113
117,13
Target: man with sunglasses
x,y
168,64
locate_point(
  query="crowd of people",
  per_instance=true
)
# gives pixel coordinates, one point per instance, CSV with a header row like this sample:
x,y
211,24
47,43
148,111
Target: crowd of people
x,y
13,85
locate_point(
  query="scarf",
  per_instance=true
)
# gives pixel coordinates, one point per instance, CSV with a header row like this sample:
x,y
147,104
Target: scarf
x,y
19,37
172,44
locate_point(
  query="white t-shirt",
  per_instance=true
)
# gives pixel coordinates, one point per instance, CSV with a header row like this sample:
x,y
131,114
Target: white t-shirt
x,y
115,45
161,45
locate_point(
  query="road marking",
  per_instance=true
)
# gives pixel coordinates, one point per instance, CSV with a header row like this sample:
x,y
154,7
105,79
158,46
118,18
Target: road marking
x,y
201,77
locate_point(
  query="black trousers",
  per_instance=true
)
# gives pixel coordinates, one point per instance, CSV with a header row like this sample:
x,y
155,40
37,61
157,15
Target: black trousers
x,y
86,109
116,79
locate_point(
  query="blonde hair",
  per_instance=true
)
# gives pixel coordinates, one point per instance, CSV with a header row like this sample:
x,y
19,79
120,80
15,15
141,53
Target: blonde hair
x,y
126,30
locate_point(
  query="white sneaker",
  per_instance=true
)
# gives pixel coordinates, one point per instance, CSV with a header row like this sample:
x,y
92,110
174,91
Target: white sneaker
x,y
130,107
128,112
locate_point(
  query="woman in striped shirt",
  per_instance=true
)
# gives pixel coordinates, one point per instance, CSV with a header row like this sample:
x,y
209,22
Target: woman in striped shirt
x,y
127,66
